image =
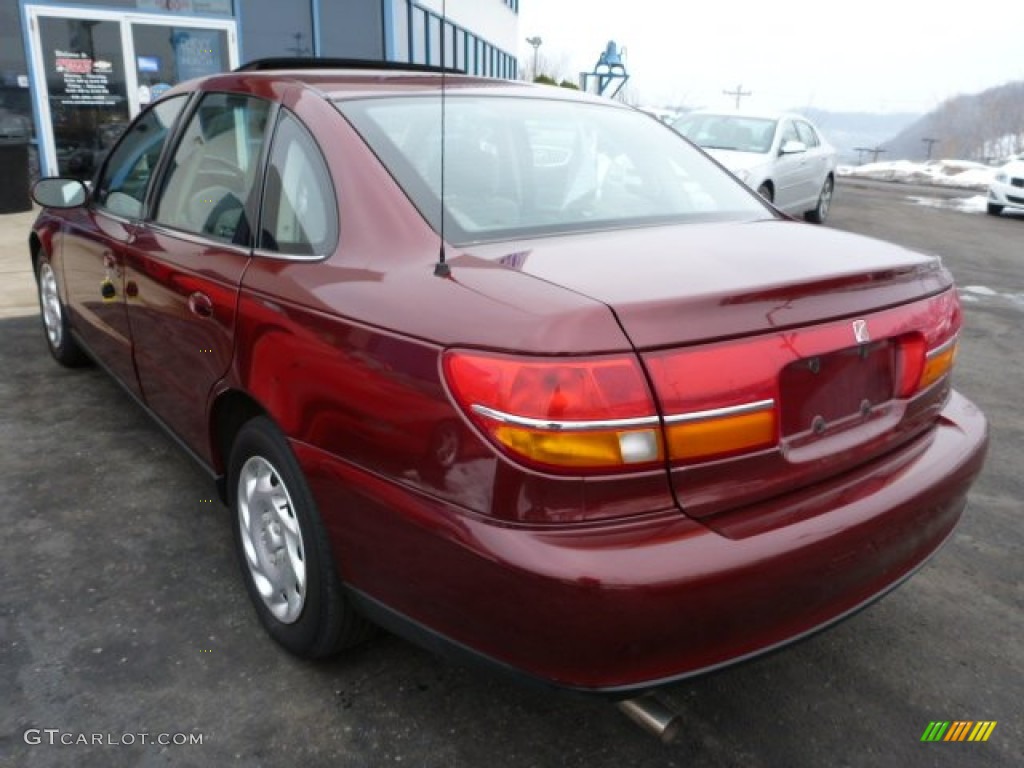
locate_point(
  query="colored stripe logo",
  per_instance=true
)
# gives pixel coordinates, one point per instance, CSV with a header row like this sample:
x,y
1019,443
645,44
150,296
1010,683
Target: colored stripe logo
x,y
958,730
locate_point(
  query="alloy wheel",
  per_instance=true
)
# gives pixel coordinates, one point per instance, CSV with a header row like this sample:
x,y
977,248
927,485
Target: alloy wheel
x,y
825,200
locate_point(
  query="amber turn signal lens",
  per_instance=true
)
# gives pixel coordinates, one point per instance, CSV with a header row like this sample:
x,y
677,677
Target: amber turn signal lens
x,y
720,436
602,448
939,363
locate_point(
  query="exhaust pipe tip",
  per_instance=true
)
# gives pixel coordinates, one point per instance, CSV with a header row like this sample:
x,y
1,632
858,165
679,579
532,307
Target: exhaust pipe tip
x,y
651,714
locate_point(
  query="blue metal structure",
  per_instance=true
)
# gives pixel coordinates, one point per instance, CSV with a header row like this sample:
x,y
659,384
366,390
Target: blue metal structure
x,y
609,70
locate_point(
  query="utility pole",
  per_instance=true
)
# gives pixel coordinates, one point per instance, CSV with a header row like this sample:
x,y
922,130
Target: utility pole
x,y
536,42
930,142
874,151
299,49
739,93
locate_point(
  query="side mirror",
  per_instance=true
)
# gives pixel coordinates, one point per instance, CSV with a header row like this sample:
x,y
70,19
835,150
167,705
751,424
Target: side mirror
x,y
793,147
60,193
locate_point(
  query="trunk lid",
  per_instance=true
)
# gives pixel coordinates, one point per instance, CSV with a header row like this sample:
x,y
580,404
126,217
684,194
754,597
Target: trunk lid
x,y
697,283
779,354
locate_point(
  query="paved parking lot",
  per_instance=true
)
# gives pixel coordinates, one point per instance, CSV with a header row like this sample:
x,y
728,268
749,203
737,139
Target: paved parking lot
x,y
122,614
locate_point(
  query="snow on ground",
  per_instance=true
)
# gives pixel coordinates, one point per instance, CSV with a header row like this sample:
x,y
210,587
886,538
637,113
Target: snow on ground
x,y
974,204
946,173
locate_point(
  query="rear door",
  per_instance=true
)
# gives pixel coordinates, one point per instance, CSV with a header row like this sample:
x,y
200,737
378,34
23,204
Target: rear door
x,y
98,237
818,161
185,265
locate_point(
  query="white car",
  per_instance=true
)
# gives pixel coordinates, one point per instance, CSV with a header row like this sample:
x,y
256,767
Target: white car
x,y
784,157
1007,188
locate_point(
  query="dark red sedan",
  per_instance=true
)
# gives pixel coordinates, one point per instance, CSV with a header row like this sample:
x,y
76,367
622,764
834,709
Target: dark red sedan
x,y
515,371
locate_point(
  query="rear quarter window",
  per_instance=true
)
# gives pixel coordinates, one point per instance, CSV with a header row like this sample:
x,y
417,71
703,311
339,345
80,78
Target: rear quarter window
x,y
300,211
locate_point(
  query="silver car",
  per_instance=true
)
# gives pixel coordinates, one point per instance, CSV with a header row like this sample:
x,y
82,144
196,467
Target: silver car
x,y
1007,188
784,156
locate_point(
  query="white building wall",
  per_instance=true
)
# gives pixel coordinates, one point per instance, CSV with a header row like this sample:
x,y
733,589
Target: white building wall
x,y
493,20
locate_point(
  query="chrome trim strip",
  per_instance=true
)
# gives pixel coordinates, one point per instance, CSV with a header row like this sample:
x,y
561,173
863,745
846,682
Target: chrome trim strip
x,y
565,426
262,253
718,413
943,347
635,423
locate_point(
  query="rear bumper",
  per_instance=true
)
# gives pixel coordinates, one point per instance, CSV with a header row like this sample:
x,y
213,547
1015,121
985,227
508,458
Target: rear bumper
x,y
619,607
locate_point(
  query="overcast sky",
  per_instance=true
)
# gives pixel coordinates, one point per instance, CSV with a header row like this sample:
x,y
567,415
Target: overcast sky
x,y
864,55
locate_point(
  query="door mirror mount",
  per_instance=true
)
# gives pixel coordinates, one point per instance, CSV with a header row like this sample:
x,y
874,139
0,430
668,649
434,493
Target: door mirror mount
x,y
792,147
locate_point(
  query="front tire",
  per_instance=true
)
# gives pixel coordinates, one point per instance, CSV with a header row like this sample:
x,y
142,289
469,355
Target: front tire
x,y
283,549
820,212
765,191
993,209
62,345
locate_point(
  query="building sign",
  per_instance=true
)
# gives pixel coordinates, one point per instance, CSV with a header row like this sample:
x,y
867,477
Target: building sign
x,y
186,6
86,80
197,52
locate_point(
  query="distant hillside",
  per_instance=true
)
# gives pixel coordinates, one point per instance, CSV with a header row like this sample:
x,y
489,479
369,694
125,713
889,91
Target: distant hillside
x,y
847,131
986,127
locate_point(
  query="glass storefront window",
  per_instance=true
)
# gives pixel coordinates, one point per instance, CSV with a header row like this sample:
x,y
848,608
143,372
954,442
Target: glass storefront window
x,y
166,55
16,118
85,80
434,33
221,7
275,28
419,36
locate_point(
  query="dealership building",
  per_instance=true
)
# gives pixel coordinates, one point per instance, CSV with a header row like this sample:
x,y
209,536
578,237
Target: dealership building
x,y
73,73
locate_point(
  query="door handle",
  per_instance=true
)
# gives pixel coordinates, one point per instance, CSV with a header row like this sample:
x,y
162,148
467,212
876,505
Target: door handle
x,y
200,305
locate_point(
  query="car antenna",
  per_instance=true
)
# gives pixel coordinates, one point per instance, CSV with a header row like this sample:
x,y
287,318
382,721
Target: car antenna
x,y
441,269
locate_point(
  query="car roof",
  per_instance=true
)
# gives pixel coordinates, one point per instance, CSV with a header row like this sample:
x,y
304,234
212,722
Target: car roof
x,y
339,84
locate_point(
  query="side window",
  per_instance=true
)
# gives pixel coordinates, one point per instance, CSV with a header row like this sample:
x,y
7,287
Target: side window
x,y
214,168
122,187
807,134
300,213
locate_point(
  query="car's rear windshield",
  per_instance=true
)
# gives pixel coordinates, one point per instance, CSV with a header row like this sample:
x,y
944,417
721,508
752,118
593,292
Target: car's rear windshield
x,y
529,167
733,132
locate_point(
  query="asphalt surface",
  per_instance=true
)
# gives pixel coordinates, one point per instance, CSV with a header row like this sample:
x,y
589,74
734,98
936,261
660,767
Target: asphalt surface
x,y
122,612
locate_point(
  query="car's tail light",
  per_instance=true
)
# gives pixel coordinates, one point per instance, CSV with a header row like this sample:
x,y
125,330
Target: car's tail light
x,y
927,356
561,415
938,362
719,400
716,401
702,435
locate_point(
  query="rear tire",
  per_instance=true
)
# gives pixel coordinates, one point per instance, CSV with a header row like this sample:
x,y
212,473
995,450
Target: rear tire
x,y
283,549
994,210
820,211
62,345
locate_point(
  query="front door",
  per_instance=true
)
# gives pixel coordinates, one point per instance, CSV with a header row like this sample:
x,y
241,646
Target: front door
x,y
790,170
93,71
99,236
